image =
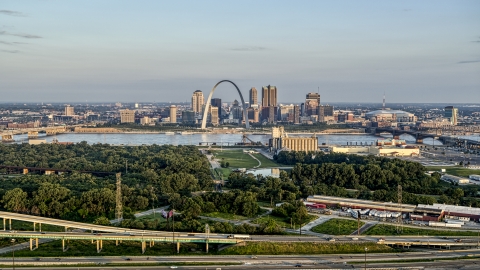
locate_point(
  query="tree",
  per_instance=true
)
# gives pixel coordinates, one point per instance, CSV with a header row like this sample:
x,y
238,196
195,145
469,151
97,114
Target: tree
x,y
15,200
190,209
102,221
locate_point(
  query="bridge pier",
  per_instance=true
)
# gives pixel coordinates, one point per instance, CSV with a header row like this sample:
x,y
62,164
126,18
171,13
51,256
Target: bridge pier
x,y
63,245
40,227
116,242
206,246
31,244
33,134
4,226
178,247
418,138
10,222
144,247
152,243
99,245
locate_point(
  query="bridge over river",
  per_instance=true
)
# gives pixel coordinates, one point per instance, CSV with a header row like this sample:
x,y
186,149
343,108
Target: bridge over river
x,y
419,136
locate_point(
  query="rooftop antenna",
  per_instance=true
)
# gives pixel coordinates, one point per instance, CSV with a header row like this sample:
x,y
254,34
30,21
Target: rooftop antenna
x,y
383,107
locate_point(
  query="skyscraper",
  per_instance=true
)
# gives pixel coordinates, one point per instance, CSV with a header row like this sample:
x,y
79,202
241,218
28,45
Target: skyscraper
x,y
69,111
217,102
452,114
173,114
127,116
197,102
253,100
214,115
296,114
312,101
324,113
269,96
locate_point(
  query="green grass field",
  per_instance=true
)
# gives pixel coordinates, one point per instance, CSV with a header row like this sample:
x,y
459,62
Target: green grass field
x,y
228,216
266,163
382,229
297,248
236,158
282,222
337,226
457,170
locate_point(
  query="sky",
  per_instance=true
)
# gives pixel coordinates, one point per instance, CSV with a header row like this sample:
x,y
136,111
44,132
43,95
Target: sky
x,y
145,51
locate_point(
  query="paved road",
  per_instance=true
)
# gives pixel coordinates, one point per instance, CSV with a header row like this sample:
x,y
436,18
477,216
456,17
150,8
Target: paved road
x,y
260,261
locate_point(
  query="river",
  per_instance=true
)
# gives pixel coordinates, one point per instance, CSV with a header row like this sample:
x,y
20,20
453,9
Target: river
x,y
219,139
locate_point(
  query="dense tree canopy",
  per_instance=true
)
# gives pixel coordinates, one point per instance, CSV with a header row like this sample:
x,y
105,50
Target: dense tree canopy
x,y
155,173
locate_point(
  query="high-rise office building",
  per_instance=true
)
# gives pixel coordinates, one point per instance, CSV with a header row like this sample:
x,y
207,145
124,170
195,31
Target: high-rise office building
x,y
324,112
127,116
236,110
69,111
296,114
214,119
173,114
197,101
217,102
312,101
253,115
269,96
253,100
188,117
452,114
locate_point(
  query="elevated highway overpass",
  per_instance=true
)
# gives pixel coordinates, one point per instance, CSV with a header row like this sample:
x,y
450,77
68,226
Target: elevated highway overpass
x,y
8,216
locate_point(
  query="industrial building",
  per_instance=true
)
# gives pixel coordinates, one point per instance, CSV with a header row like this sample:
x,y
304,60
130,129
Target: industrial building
x,y
456,212
281,142
385,151
421,212
455,179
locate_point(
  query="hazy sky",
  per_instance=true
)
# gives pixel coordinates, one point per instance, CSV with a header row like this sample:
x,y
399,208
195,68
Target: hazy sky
x,y
138,51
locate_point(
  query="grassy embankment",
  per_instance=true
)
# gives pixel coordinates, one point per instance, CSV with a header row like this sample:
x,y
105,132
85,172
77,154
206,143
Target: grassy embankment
x,y
382,229
282,222
298,248
455,170
337,226
239,159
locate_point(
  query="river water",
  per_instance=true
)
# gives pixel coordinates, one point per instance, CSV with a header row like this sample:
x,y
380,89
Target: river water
x,y
219,139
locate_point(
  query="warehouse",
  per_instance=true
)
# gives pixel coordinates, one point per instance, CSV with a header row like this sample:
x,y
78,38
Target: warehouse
x,y
455,179
463,213
361,204
421,212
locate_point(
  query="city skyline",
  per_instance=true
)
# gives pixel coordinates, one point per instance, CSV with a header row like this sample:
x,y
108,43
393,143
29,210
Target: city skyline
x,y
347,51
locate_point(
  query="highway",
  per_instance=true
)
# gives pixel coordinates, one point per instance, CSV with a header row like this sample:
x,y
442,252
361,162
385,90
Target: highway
x,y
261,261
70,224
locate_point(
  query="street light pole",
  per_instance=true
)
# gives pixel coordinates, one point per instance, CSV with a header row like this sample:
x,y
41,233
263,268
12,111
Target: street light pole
x,y
366,258
13,251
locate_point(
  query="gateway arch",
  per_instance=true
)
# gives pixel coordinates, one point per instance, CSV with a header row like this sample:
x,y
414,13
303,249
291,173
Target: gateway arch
x,y
209,99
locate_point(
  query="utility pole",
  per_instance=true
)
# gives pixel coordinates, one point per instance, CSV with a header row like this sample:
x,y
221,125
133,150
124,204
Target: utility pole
x,y
400,218
153,203
366,249
173,227
13,251
358,223
118,198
